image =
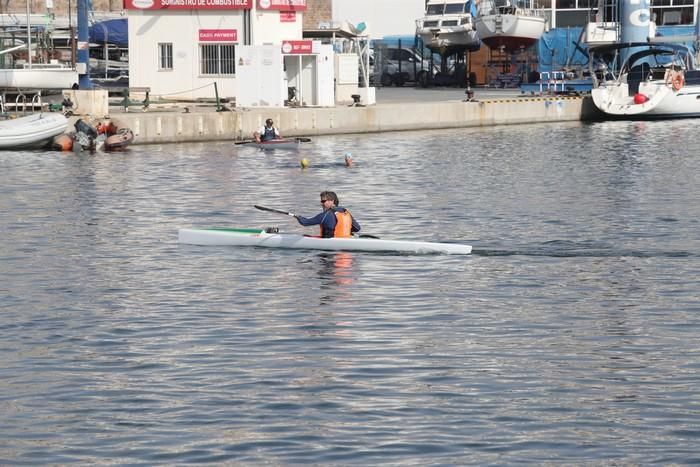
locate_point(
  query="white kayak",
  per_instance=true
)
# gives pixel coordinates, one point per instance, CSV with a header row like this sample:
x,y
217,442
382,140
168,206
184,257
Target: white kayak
x,y
261,238
283,143
278,144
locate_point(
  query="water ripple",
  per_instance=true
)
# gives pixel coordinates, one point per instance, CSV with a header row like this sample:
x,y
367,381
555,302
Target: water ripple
x,y
568,337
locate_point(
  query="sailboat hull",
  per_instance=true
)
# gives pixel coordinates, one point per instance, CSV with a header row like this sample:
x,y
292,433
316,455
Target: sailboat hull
x,y
38,78
664,102
509,31
448,40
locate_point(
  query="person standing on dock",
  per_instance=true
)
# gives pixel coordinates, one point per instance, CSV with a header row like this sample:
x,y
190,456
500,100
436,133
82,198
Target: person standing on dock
x,y
335,221
267,132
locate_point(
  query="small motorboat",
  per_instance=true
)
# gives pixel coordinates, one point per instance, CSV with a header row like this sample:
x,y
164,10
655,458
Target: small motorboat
x,y
120,140
272,238
34,130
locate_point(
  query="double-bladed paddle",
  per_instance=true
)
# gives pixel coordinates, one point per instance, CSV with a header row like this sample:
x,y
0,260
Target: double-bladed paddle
x,y
249,141
278,211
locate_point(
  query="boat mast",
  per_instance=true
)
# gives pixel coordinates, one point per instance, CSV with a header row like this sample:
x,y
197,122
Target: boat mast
x,y
29,38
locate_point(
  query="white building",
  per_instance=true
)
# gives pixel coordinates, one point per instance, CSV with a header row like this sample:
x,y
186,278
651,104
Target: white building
x,y
180,48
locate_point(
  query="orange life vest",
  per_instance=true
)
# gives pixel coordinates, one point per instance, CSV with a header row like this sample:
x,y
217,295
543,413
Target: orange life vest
x,y
343,224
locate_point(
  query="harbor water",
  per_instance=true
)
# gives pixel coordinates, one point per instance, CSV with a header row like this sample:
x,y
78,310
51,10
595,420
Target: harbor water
x,y
569,336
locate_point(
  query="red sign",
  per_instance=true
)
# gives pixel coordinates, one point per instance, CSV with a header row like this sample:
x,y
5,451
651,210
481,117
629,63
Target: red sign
x,y
285,5
188,4
297,47
218,35
288,16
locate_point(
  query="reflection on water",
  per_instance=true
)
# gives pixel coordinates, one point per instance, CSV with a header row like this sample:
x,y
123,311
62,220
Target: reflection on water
x,y
336,274
576,315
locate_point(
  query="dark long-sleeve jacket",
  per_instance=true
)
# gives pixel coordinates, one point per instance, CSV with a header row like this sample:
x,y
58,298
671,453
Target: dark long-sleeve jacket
x,y
327,220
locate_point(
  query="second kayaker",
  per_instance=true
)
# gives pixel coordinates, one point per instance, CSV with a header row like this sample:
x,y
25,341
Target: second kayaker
x,y
334,220
267,132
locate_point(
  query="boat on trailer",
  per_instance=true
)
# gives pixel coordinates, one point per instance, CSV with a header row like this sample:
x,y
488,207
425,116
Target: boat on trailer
x,y
510,24
448,27
271,238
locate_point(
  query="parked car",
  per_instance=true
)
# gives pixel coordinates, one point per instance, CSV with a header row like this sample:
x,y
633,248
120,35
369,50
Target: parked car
x,y
400,66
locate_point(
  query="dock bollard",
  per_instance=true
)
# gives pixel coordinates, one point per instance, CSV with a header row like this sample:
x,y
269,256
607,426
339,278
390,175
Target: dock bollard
x,y
469,92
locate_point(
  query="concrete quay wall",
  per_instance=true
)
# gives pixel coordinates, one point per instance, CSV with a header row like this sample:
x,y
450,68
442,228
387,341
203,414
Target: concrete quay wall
x,y
155,126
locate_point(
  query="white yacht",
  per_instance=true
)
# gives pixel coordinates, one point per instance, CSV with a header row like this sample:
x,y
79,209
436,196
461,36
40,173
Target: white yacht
x,y
448,26
510,24
656,81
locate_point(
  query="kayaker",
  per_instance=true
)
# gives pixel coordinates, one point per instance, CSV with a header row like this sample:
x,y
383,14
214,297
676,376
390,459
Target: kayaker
x,y
335,221
267,132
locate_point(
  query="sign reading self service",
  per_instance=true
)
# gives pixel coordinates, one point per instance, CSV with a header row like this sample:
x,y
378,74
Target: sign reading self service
x,y
297,47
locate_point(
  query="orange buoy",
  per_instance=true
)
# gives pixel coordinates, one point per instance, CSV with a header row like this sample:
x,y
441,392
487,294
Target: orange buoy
x,y
62,142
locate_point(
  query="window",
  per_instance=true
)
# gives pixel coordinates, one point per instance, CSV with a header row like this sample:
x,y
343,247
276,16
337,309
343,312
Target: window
x,y
673,12
165,56
435,10
571,18
406,55
454,8
565,5
217,59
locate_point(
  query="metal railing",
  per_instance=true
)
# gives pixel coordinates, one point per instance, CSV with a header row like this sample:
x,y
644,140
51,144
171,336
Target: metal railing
x,y
552,81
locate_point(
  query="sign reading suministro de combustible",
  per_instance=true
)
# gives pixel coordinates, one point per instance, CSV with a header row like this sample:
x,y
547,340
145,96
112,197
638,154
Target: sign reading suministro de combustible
x,y
188,4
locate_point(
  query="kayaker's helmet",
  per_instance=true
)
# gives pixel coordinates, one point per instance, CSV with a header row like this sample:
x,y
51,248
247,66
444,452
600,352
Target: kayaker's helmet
x,y
269,122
